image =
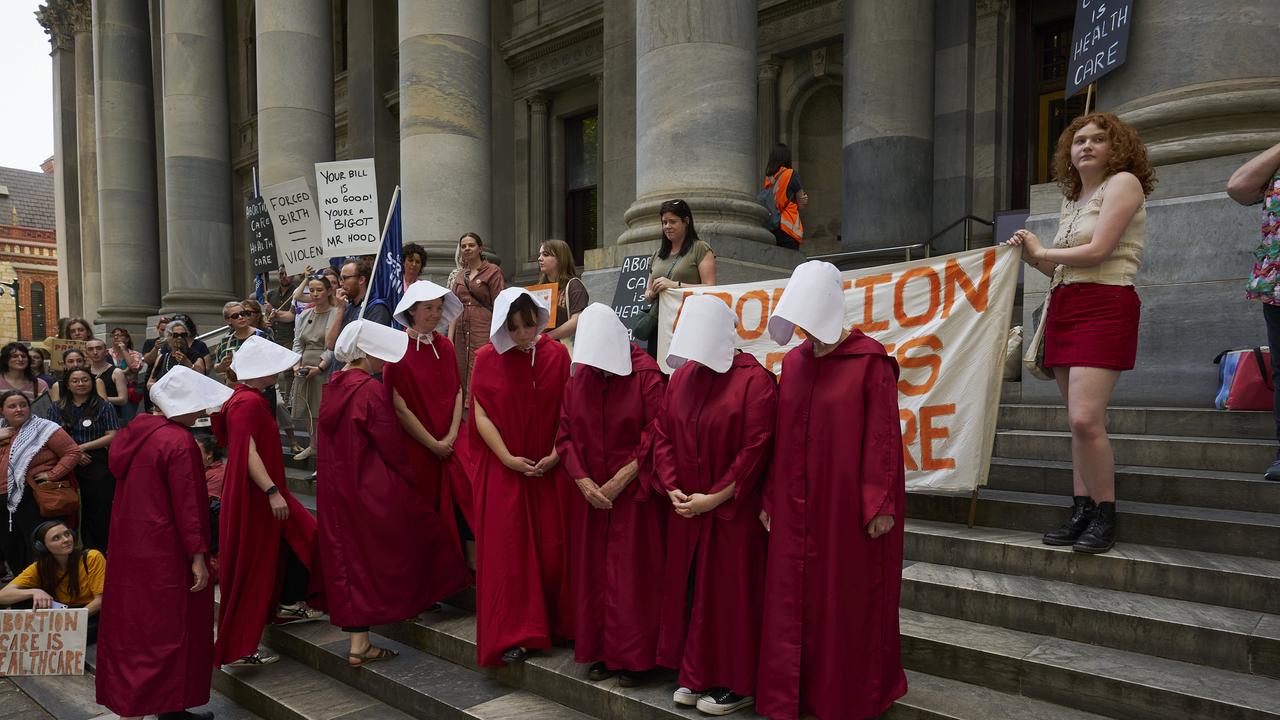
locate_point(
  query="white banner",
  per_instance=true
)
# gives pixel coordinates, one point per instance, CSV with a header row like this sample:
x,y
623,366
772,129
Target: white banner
x,y
43,642
297,226
348,201
945,319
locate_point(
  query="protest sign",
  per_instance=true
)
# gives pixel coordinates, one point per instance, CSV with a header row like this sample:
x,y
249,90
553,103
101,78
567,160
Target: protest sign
x,y
944,319
348,202
57,346
1099,41
296,225
262,240
43,642
548,294
628,296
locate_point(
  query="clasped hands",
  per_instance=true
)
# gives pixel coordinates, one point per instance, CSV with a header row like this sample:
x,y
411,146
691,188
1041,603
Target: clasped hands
x,y
601,497
529,468
688,506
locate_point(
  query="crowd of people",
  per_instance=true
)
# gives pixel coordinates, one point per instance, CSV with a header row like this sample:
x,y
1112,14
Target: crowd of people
x,y
743,529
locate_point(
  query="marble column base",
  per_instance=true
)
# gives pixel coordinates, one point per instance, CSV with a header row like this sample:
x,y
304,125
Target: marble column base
x,y
716,216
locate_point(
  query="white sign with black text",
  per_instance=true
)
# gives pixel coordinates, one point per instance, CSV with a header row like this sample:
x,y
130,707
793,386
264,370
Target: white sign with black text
x,y
348,201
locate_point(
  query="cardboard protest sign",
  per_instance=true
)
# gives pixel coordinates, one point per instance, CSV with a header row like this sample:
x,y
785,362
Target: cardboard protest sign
x,y
945,319
262,239
348,202
57,346
296,224
43,642
628,296
548,294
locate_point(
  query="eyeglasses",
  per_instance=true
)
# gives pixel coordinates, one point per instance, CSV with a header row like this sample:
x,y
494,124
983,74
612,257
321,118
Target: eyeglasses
x,y
238,316
345,278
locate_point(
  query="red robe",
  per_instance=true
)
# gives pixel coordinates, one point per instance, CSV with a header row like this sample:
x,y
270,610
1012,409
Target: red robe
x,y
250,570
427,379
715,429
155,637
830,631
616,554
522,578
385,554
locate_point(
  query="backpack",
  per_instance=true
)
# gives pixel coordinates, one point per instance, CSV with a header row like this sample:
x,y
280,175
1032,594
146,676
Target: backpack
x,y
766,198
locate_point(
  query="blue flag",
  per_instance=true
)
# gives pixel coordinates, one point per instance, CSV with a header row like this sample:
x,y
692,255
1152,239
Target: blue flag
x,y
259,289
387,284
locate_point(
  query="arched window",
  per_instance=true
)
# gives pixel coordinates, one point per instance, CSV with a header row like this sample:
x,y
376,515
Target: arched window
x,y
37,312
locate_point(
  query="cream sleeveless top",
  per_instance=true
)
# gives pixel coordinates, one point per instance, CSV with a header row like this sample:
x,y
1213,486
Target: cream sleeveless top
x,y
1076,223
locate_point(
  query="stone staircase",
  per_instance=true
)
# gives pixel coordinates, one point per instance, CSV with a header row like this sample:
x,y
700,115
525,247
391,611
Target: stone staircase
x,y
1181,620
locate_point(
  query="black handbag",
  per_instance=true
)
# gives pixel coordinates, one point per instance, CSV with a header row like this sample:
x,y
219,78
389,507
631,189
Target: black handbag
x,y
646,327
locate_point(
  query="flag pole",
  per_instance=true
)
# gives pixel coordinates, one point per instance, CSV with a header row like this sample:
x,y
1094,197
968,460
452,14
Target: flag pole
x,y
382,239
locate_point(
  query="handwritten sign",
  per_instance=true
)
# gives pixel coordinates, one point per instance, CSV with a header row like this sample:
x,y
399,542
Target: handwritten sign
x,y
549,295
262,238
628,296
944,319
57,346
348,193
43,642
296,224
1099,41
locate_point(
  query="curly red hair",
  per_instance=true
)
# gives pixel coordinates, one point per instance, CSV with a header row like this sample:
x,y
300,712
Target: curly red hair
x,y
1128,154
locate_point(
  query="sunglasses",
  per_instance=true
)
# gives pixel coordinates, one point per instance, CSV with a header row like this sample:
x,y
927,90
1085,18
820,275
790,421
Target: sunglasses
x,y
179,336
239,315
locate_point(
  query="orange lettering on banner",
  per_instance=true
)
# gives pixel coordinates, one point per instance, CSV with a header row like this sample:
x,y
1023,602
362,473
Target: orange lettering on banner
x,y
933,361
929,433
908,438
899,297
868,284
72,620
773,359
761,297
55,641
955,277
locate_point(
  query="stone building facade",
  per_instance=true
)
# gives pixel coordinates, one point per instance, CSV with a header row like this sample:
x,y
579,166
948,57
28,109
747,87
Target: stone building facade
x,y
530,119
28,254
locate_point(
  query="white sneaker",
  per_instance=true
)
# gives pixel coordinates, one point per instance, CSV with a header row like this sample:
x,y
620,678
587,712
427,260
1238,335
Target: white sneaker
x,y
306,454
298,612
685,696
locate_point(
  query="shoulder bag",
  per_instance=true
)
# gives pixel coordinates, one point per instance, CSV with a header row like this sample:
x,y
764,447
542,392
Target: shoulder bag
x,y
646,327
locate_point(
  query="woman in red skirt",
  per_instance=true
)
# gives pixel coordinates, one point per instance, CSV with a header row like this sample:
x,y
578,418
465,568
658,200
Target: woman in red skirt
x,y
1091,327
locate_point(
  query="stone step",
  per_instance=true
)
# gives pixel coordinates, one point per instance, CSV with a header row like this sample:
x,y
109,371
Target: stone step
x,y
1195,422
937,698
16,705
1243,641
1115,683
1172,486
289,690
1172,451
1228,580
416,683
1229,532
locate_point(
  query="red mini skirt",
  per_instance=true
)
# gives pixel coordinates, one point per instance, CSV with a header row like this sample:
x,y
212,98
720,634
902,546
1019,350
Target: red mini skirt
x,y
1092,325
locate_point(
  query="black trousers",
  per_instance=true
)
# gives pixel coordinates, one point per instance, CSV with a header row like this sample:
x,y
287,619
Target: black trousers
x,y
16,542
1271,313
296,577
97,491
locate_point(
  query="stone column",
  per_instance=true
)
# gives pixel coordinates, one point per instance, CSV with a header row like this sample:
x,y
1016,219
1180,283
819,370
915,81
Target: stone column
x,y
767,111
445,100
58,21
617,118
197,158
888,123
87,155
295,88
372,129
126,163
695,137
538,173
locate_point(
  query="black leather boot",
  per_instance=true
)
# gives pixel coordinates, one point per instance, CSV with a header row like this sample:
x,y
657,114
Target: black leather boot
x,y
1081,515
1100,536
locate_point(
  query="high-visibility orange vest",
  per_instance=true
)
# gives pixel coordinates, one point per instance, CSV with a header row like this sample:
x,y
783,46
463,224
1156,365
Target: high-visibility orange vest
x,y
787,208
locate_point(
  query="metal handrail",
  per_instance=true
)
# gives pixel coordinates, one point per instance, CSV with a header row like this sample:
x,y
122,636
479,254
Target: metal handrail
x,y
927,245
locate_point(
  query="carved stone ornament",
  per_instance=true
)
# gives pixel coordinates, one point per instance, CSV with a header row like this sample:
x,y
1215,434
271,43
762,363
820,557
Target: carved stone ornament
x,y
56,20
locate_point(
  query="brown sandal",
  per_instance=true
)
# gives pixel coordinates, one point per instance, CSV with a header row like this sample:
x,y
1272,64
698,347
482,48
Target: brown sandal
x,y
365,657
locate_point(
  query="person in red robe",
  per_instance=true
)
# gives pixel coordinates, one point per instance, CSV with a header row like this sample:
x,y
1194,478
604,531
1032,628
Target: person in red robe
x,y
155,635
835,512
522,498
711,448
386,555
618,527
426,390
267,562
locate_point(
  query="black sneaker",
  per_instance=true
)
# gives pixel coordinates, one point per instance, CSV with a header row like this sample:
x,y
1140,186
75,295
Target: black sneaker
x,y
722,701
255,660
599,671
1273,472
186,715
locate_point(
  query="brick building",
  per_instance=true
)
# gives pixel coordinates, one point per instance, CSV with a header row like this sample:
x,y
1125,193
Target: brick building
x,y
28,253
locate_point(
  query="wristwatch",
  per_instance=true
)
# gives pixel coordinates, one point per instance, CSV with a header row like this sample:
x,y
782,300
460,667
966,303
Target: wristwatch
x,y
272,490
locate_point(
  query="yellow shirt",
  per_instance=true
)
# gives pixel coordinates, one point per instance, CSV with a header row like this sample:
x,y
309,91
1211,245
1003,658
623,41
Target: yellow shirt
x,y
90,582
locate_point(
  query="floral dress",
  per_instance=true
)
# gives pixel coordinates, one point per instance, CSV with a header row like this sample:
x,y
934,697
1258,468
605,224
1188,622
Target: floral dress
x,y
1265,277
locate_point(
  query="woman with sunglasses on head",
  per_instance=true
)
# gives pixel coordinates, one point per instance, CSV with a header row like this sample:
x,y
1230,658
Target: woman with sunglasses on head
x,y
683,260
61,573
92,422
16,372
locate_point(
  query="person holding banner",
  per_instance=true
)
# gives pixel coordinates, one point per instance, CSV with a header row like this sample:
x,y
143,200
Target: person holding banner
x,y
834,511
521,495
353,290
682,260
386,554
1091,322
266,538
426,393
711,448
477,283
555,262
618,529
156,641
